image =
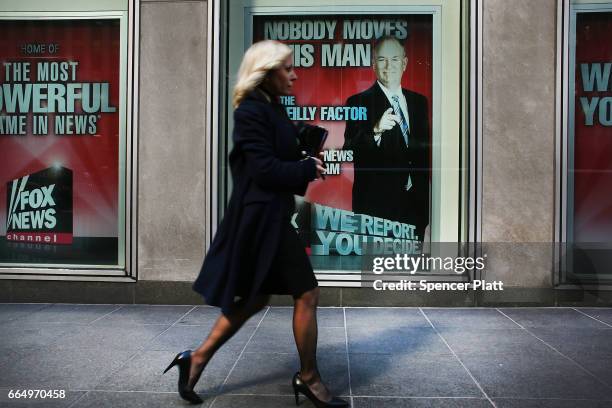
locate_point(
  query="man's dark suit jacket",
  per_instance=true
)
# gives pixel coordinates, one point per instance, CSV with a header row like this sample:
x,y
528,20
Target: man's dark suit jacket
x,y
381,171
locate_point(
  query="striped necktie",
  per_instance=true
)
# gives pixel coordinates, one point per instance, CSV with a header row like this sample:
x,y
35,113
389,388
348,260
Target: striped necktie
x,y
403,122
405,130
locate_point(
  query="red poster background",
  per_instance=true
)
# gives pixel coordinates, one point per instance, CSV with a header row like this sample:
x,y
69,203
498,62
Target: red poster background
x,y
94,159
592,144
331,86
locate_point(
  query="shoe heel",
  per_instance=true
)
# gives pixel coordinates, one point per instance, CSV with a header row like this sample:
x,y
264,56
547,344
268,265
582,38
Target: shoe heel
x,y
173,363
297,395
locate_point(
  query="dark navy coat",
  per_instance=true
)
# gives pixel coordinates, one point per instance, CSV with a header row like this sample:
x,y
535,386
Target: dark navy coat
x,y
267,170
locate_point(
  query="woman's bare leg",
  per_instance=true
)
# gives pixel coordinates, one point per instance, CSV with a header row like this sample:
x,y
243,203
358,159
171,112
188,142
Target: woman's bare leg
x,y
225,327
305,332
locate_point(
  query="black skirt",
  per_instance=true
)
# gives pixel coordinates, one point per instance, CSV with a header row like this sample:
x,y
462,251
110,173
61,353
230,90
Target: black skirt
x,y
291,272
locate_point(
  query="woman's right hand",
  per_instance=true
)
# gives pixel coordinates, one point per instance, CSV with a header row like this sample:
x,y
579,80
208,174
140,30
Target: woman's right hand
x,y
320,167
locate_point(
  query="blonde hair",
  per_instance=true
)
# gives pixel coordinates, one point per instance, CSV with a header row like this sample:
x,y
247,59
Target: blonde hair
x,y
258,60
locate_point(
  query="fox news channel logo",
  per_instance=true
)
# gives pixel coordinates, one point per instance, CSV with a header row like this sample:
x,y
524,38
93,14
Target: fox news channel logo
x,y
39,207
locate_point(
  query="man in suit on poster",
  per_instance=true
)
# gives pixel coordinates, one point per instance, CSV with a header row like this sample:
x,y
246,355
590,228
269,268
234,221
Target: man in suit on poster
x,y
391,147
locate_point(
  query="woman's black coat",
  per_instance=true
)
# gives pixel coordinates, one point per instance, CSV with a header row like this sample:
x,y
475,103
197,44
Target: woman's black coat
x,y
267,170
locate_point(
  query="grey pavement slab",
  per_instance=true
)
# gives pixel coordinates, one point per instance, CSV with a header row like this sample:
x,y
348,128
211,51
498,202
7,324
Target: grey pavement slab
x,y
551,317
405,375
144,372
120,337
404,317
577,341
17,334
144,314
395,340
9,356
493,341
326,317
468,318
114,355
258,401
274,372
597,364
376,402
110,399
43,399
278,339
16,311
57,368
551,403
600,313
180,337
528,376
67,313
207,315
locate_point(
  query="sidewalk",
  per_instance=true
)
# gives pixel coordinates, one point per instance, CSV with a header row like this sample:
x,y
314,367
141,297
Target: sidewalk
x,y
113,356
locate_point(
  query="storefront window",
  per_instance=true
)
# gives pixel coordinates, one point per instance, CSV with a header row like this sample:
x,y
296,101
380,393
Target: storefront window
x,y
589,166
63,138
373,77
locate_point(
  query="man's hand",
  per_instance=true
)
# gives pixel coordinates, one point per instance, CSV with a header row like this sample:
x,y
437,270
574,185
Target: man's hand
x,y
386,122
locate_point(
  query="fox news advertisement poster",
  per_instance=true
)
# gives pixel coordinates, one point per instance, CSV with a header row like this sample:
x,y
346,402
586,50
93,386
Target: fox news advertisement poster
x,y
592,147
376,194
59,141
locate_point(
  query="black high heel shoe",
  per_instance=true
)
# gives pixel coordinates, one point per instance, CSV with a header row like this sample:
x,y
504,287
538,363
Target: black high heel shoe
x,y
301,386
183,361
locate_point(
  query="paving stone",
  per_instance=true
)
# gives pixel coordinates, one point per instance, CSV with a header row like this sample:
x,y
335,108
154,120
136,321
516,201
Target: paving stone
x,y
207,315
16,311
551,403
278,339
144,372
115,358
574,342
17,334
401,317
493,341
326,317
528,376
468,318
104,399
59,368
257,401
421,375
144,314
395,340
600,365
548,317
45,399
180,337
600,313
376,402
67,313
120,337
271,373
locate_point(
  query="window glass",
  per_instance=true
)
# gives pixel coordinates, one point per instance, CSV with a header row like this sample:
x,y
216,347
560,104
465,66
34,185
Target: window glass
x,y
373,77
589,228
62,139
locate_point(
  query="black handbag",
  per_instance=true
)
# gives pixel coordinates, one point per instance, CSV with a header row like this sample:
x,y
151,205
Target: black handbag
x,y
311,138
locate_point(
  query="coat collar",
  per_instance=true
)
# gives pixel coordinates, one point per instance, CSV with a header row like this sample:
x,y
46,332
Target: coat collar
x,y
260,95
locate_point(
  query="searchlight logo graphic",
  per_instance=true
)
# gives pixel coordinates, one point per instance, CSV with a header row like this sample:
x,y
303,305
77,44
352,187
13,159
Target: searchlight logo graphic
x,y
40,207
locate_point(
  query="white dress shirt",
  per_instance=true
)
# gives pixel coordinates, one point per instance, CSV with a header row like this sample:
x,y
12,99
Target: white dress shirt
x,y
403,105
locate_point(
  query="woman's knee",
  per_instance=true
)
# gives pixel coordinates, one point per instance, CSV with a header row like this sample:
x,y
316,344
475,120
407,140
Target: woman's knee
x,y
310,298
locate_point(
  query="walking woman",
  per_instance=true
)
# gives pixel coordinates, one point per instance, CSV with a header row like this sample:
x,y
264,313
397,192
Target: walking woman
x,y
256,252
